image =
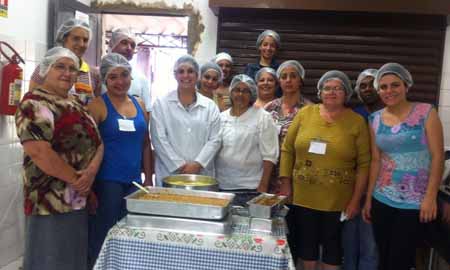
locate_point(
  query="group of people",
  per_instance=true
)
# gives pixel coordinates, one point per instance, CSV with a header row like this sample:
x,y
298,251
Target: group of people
x,y
87,136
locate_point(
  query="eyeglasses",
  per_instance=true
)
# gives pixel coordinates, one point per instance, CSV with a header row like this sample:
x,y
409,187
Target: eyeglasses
x,y
63,69
333,88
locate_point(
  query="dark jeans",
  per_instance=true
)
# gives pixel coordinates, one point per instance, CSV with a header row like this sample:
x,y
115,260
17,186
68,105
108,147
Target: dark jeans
x,y
111,208
360,250
397,233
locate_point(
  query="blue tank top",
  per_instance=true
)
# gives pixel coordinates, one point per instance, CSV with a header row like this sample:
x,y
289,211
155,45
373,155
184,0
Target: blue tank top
x,y
122,158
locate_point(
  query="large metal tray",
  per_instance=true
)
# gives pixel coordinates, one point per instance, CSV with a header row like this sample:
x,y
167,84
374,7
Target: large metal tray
x,y
178,209
180,224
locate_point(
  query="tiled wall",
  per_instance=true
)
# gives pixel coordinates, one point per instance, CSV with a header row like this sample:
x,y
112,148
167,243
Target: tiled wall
x,y
11,213
444,100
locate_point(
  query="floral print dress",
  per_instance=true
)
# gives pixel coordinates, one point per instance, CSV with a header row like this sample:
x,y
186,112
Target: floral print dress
x,y
405,158
72,134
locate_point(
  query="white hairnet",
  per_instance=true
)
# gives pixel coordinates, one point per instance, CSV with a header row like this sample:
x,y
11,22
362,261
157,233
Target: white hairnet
x,y
269,70
186,59
111,61
242,78
67,26
370,72
53,55
120,34
268,33
292,63
336,75
396,69
223,56
211,66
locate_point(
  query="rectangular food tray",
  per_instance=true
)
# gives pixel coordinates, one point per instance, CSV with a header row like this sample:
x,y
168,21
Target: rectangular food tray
x,y
180,224
179,209
265,211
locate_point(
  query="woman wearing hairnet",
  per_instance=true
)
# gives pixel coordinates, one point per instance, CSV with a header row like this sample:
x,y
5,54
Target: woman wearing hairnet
x,y
62,153
406,168
249,147
225,63
185,126
291,76
324,164
75,34
123,124
267,44
210,78
266,80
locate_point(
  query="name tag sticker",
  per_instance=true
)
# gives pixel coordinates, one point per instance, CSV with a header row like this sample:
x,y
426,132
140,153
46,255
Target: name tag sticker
x,y
126,125
278,126
318,147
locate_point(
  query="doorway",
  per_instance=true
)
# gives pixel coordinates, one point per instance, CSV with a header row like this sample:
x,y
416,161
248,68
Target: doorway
x,y
160,41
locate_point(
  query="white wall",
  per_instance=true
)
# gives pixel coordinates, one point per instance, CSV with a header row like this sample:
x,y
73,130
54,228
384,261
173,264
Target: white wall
x,y
444,101
207,48
26,30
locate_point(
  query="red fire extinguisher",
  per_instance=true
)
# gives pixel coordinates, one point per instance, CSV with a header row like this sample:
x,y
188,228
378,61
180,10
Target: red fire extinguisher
x,y
11,81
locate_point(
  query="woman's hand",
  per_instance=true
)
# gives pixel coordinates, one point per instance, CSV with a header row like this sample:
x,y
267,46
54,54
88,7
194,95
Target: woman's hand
x,y
352,209
285,186
191,168
84,181
367,217
428,209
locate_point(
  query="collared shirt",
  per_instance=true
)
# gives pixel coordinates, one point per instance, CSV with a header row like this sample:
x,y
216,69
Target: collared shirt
x,y
181,134
247,141
140,87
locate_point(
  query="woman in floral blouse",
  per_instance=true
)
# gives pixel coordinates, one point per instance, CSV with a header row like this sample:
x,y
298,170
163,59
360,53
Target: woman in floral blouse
x,y
406,168
62,153
291,75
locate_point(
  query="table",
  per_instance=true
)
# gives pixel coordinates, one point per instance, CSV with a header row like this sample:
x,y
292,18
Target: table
x,y
133,248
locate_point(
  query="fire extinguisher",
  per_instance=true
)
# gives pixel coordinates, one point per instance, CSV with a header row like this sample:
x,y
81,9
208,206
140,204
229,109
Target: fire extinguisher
x,y
11,81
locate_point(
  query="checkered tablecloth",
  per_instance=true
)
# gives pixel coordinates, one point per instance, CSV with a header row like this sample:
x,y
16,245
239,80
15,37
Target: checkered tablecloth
x,y
131,248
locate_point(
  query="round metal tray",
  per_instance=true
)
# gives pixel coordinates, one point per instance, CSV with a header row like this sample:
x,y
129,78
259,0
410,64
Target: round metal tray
x,y
191,182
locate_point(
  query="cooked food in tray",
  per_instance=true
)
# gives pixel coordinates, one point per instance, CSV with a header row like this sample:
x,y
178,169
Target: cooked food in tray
x,y
268,200
183,199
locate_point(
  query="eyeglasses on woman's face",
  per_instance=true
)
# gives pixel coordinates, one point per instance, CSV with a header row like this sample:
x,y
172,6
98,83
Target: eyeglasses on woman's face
x,y
62,68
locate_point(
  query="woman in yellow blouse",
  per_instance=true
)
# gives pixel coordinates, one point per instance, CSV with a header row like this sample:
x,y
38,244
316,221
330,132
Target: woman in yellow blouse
x,y
324,164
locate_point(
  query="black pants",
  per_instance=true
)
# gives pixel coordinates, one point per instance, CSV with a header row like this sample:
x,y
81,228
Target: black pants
x,y
397,233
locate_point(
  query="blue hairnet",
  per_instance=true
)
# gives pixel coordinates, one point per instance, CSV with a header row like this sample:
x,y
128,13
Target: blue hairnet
x,y
268,33
211,66
292,63
269,70
68,26
187,59
111,61
336,75
242,78
120,34
53,55
396,69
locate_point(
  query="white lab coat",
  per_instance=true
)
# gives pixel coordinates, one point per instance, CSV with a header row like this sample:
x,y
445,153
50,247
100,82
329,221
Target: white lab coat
x,y
180,135
247,141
